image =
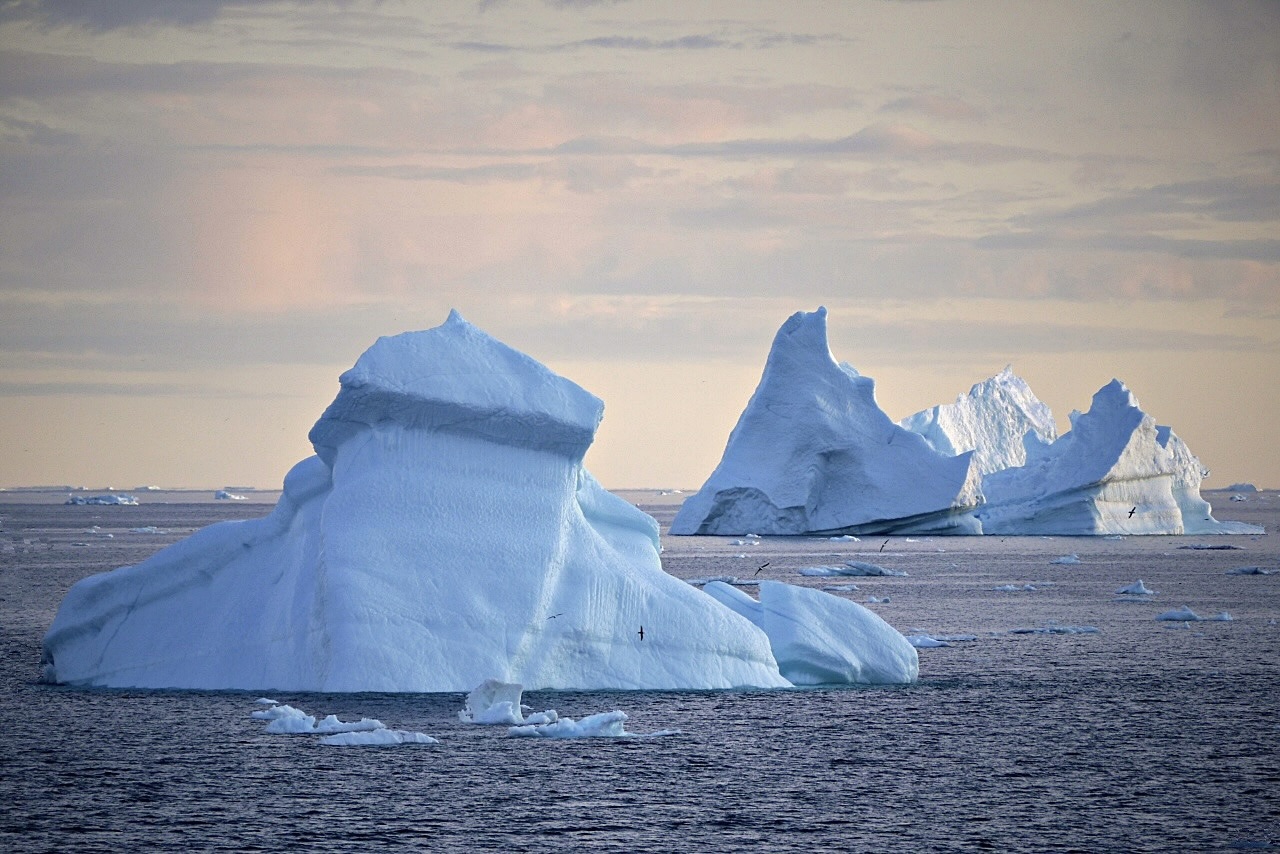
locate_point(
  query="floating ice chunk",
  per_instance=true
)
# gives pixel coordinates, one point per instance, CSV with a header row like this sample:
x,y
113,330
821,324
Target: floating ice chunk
x,y
845,538
1223,617
877,600
379,737
295,722
602,725
854,568
275,711
331,724
1054,629
956,638
147,529
818,638
1137,588
224,495
925,641
840,588
1015,588
1249,570
266,701
1183,615
1066,560
1212,547
495,702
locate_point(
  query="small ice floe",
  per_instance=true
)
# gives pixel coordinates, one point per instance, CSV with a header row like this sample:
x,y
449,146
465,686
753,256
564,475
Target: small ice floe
x,y
1055,629
494,702
847,538
926,641
602,725
671,492
853,567
1137,588
1066,560
956,638
1223,617
224,495
1015,588
266,701
378,738
286,720
147,529
1214,547
840,588
877,600
1179,615
1114,537
1238,497
1249,570
101,499
745,543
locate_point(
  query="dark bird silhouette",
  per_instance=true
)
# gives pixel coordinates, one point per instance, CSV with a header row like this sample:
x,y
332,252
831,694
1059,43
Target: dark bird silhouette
x,y
762,566
1132,510
641,633
553,616
882,545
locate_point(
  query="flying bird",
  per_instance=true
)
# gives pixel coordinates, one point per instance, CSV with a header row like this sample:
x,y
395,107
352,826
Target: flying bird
x,y
882,545
553,616
762,566
1132,510
641,633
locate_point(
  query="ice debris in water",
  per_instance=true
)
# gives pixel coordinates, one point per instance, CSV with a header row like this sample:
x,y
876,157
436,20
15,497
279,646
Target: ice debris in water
x,y
926,641
1249,570
496,702
1066,560
853,568
1015,588
1183,614
378,738
1054,629
1137,588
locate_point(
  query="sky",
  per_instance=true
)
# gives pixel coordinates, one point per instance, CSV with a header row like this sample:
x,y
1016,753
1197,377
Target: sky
x,y
209,209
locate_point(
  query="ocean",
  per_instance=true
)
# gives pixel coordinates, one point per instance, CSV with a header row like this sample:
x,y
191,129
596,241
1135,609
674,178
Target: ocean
x,y
1062,716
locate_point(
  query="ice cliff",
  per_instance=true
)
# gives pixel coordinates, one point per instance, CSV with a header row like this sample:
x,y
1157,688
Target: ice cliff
x,y
814,453
444,533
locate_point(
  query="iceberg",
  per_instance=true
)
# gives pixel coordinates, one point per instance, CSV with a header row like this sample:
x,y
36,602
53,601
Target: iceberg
x,y
1179,615
995,420
493,702
820,639
110,498
813,453
1137,588
1115,472
389,562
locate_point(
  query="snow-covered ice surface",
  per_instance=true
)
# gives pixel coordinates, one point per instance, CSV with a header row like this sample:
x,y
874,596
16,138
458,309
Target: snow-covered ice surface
x,y
993,420
814,453
965,758
1115,472
444,533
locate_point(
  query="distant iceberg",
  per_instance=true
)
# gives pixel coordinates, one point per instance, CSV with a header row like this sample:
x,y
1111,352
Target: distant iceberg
x,y
1115,472
444,533
110,498
813,453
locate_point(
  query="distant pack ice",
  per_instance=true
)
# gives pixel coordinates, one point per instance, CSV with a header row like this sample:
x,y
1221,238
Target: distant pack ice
x,y
445,533
813,453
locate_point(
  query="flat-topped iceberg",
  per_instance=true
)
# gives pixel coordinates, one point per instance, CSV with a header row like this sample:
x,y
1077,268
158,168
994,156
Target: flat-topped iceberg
x,y
813,453
1115,472
444,533
994,420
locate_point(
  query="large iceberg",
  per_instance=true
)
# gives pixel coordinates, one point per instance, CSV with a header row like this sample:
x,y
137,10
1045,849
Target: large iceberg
x,y
1115,472
813,453
444,533
993,420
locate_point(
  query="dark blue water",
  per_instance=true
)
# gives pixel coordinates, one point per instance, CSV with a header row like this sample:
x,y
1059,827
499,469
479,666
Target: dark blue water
x,y
1143,736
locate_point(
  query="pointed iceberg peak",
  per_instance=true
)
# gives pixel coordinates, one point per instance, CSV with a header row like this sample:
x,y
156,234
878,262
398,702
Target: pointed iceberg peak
x,y
996,420
458,378
814,453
